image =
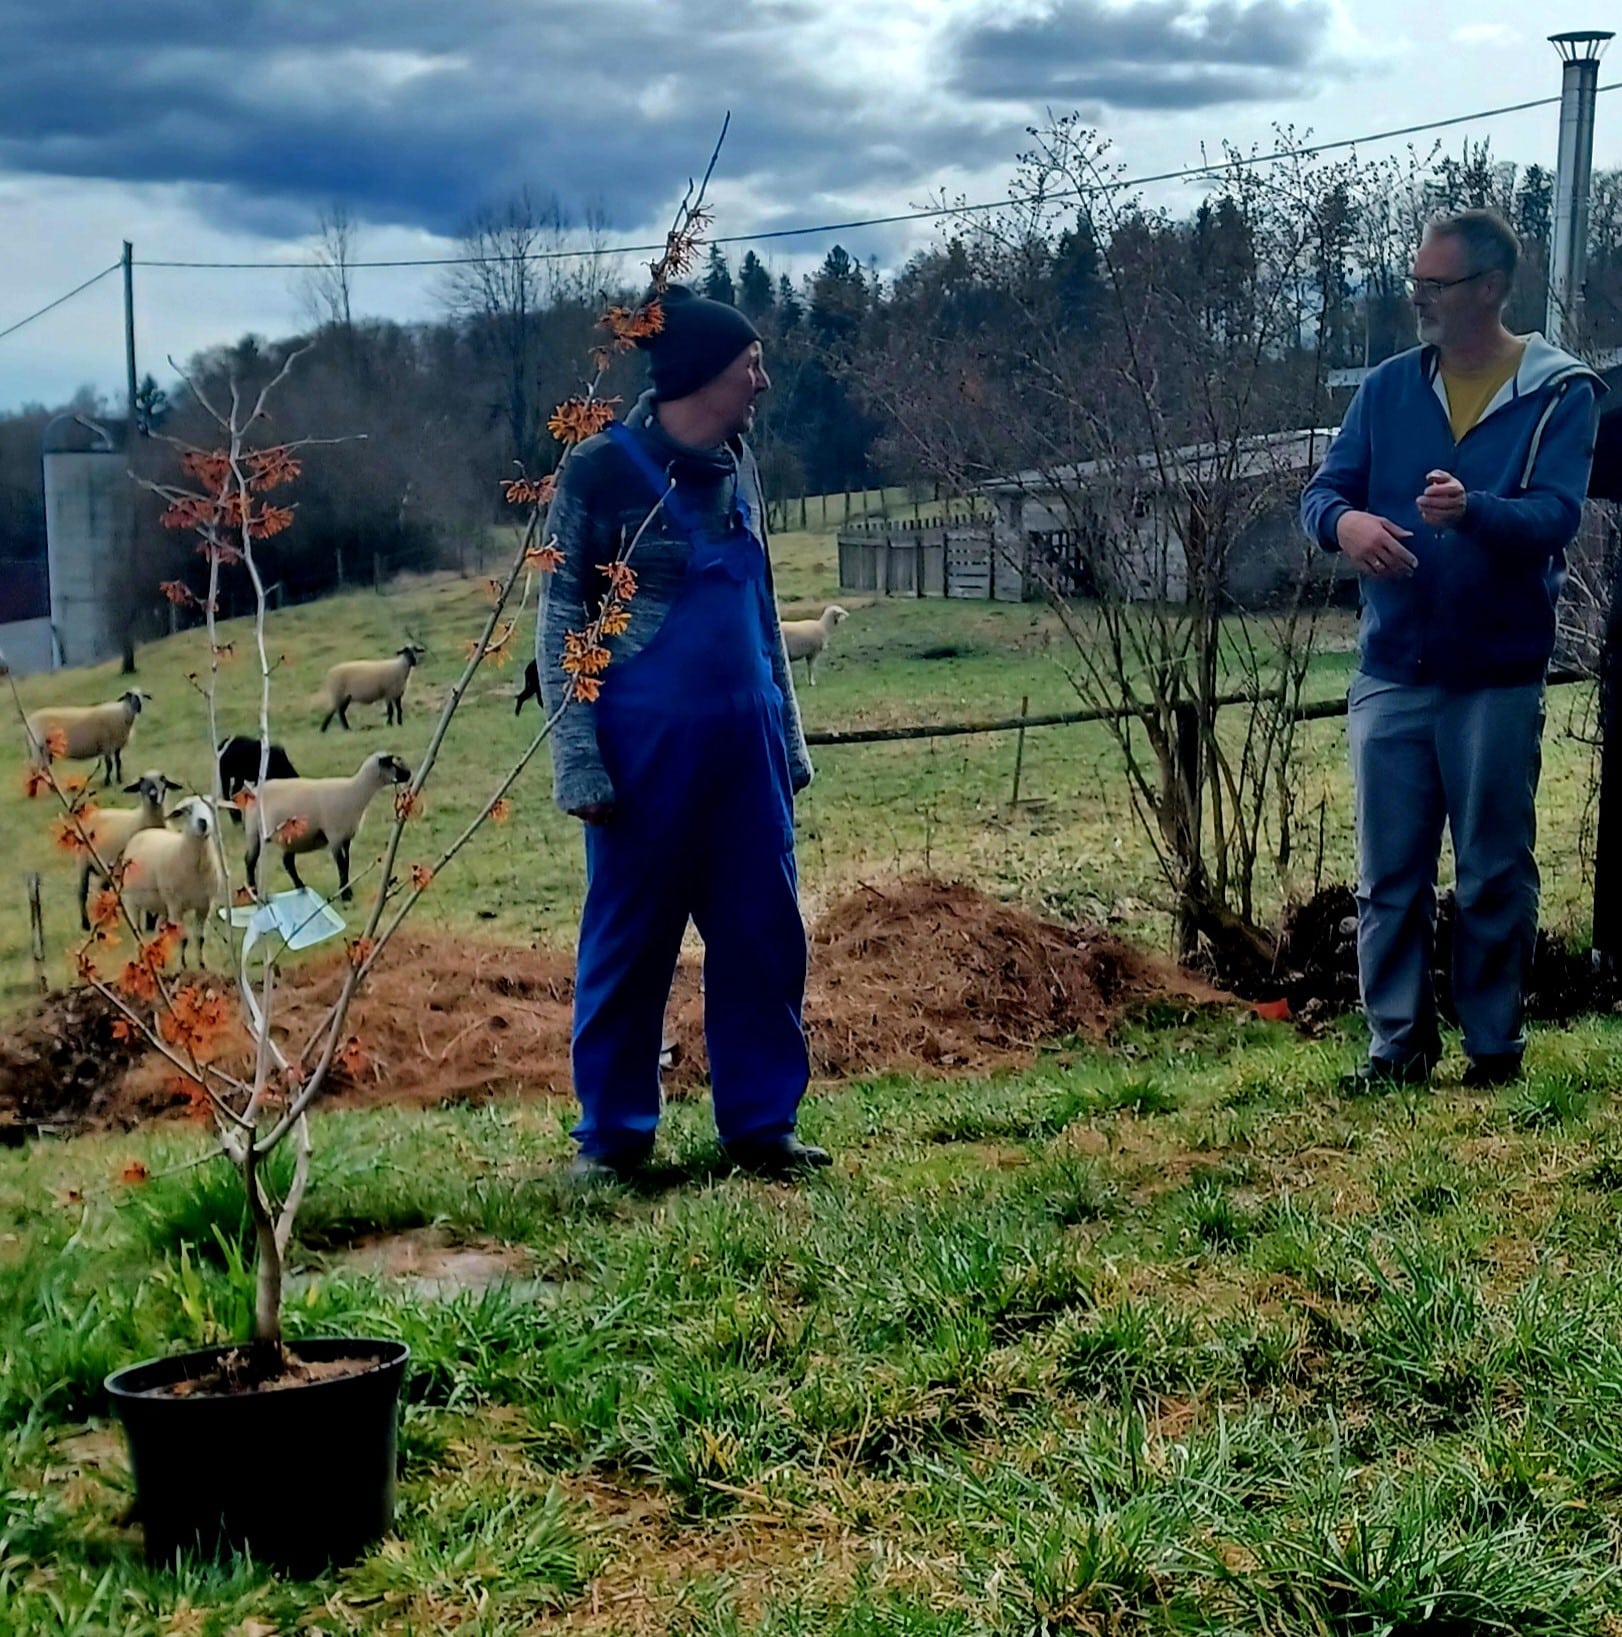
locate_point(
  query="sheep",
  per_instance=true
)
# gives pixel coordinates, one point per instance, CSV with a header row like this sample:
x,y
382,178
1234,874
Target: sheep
x,y
176,873
109,829
805,639
87,731
238,757
311,813
365,681
532,686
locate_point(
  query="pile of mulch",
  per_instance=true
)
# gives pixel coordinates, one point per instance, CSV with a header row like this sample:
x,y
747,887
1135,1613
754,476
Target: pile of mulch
x,y
1317,967
60,1069
918,974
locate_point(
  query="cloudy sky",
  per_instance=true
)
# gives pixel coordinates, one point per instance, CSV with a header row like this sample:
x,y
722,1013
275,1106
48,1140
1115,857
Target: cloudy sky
x,y
220,129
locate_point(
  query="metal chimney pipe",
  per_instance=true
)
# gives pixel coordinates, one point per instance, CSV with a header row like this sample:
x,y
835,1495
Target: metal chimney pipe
x,y
1580,52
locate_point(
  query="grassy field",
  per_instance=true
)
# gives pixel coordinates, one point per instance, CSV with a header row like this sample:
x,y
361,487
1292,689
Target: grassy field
x,y
1073,848
1169,1336
1165,1339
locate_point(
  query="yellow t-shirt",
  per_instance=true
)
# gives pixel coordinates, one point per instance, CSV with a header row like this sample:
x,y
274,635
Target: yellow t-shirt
x,y
1469,393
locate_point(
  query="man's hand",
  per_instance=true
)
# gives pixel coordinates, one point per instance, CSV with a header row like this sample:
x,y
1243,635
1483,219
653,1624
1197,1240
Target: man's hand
x,y
595,812
1442,503
1374,545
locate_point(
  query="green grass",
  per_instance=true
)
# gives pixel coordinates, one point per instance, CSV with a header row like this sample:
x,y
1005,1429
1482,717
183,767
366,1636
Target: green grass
x,y
1074,848
1164,1337
1052,1352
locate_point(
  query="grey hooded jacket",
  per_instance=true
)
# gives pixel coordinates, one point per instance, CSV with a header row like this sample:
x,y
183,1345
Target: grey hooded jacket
x,y
601,500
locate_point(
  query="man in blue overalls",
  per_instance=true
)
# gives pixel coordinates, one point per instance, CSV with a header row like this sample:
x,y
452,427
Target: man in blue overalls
x,y
685,769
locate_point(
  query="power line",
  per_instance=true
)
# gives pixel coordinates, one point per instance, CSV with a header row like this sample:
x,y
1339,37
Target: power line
x,y
933,214
78,289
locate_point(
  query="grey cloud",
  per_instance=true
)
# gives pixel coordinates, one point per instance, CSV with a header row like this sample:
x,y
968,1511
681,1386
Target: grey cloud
x,y
1155,54
268,105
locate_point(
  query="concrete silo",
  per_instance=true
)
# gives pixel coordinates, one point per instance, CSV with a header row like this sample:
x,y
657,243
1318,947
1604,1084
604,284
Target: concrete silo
x,y
88,518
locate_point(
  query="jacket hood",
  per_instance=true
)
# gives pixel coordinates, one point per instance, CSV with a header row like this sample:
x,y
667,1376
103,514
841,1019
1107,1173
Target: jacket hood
x,y
1542,365
722,462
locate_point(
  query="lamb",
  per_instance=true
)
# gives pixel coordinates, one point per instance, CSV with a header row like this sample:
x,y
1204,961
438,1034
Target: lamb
x,y
805,639
109,829
300,815
238,757
176,873
365,681
87,732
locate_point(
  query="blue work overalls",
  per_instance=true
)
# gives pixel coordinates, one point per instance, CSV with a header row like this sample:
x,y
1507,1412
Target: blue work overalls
x,y
691,733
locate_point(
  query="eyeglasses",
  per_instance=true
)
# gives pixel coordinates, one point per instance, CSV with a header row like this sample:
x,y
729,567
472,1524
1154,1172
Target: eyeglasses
x,y
1434,287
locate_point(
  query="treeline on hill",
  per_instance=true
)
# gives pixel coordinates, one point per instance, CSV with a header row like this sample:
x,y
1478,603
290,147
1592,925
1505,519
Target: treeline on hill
x,y
431,417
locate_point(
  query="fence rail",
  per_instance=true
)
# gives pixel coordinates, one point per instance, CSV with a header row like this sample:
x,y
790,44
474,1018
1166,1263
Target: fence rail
x,y
1316,711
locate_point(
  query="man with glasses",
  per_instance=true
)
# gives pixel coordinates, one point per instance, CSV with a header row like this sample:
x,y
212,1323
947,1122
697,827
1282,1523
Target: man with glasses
x,y
1454,486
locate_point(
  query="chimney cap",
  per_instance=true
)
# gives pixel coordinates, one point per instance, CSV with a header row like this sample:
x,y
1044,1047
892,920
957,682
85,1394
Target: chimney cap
x,y
1582,45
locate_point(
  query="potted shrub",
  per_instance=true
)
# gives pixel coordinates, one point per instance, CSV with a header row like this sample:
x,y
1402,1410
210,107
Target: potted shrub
x,y
210,1431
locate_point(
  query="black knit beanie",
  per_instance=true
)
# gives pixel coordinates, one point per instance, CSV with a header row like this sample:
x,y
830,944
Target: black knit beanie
x,y
700,338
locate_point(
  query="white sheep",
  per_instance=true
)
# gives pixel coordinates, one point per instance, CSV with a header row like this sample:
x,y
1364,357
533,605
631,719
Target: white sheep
x,y
365,681
300,815
805,639
109,829
176,873
87,732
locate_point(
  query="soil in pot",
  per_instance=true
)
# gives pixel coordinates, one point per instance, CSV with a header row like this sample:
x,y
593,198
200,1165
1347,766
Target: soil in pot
x,y
295,1468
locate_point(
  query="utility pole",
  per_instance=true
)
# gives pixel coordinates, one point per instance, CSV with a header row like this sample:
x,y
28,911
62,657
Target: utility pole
x,y
130,518
129,336
1580,51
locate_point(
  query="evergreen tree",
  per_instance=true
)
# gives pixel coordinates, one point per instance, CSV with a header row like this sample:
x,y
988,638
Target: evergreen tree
x,y
754,286
718,278
790,309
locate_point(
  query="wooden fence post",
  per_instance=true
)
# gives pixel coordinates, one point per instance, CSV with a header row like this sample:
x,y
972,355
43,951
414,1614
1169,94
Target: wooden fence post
x,y
1019,746
36,928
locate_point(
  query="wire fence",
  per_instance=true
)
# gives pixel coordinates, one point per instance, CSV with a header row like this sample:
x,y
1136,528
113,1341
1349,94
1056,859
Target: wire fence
x,y
1048,816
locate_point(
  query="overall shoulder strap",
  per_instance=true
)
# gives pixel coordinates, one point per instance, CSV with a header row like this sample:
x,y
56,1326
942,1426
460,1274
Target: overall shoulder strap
x,y
648,469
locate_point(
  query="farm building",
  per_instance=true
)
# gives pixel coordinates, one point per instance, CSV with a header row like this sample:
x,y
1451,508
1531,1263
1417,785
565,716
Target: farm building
x,y
1073,528
60,605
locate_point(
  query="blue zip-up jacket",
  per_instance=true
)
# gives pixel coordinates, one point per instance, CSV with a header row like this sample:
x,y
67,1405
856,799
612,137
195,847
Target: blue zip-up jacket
x,y
1479,610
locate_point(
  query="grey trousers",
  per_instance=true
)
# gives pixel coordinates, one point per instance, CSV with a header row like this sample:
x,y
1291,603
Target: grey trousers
x,y
1422,756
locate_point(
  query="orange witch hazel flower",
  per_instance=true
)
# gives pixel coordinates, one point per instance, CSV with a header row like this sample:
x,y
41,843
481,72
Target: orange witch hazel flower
x,y
628,325
545,558
576,419
524,491
621,579
68,836
582,656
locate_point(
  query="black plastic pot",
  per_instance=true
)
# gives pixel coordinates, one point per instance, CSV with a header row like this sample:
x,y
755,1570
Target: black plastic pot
x,y
301,1476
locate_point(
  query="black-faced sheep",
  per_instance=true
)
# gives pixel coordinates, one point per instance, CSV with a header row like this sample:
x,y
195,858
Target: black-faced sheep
x,y
85,732
301,815
365,681
109,829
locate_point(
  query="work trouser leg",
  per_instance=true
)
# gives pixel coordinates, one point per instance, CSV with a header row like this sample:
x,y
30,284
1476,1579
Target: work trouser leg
x,y
1490,743
1400,810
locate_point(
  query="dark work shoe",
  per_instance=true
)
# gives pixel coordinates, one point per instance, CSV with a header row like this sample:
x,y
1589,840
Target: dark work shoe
x,y
1386,1074
589,1169
1496,1070
784,1156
